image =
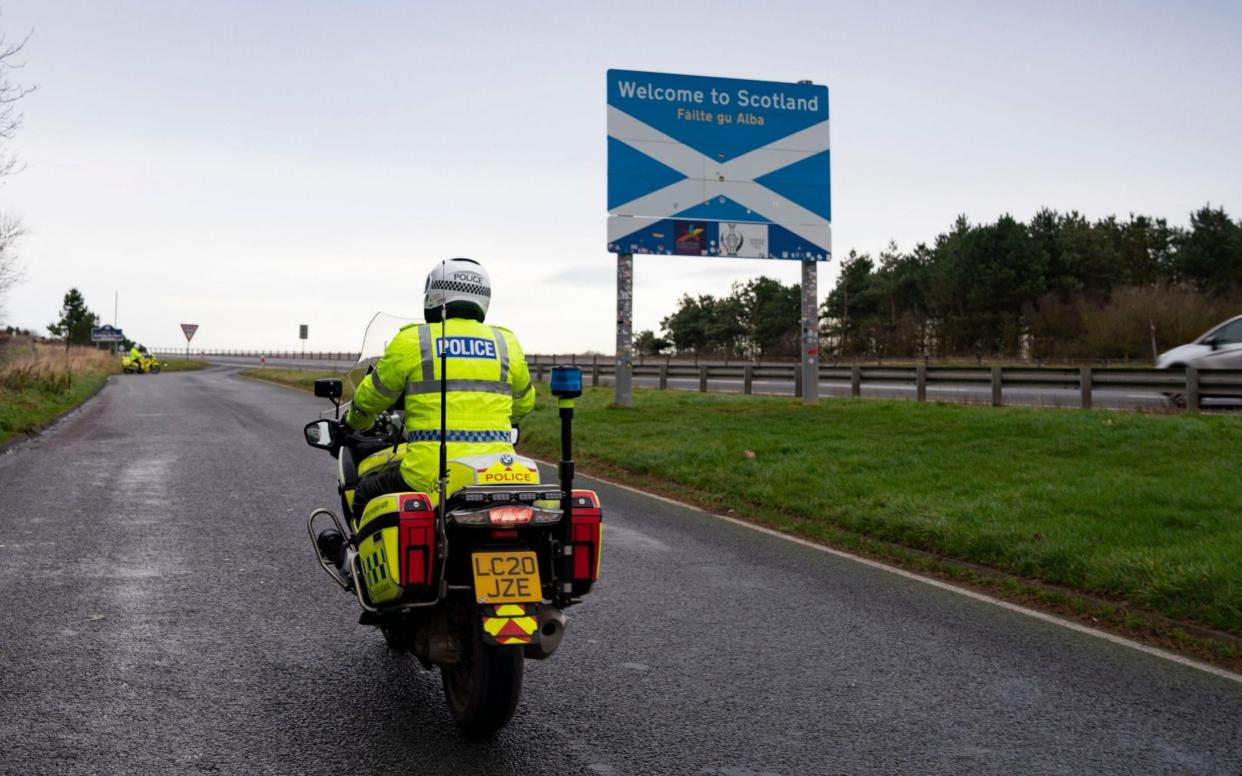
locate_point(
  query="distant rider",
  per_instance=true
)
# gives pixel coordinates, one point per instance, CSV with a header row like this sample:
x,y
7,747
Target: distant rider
x,y
135,354
489,387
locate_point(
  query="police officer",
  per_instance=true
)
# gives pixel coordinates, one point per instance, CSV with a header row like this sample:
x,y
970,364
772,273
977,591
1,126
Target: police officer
x,y
488,387
135,354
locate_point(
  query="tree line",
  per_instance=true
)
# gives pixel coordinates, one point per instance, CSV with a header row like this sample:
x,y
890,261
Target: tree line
x,y
758,319
1057,287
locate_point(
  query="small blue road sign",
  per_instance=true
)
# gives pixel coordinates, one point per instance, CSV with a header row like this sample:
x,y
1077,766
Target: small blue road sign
x,y
107,333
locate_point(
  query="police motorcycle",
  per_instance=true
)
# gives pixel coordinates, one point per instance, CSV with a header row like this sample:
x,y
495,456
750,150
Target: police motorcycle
x,y
144,364
475,577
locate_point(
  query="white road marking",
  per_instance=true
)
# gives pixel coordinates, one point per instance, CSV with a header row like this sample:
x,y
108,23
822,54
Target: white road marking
x,y
635,540
1034,613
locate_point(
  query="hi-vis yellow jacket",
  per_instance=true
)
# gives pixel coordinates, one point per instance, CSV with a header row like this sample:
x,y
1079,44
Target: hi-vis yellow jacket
x,y
489,389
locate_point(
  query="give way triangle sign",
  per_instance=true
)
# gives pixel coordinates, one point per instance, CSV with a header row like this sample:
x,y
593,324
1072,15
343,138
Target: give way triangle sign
x,y
188,330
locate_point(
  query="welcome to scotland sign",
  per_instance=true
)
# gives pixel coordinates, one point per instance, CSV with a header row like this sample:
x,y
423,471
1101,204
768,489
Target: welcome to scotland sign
x,y
702,166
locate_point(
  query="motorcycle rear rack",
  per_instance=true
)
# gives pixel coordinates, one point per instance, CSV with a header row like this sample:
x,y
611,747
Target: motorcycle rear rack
x,y
326,565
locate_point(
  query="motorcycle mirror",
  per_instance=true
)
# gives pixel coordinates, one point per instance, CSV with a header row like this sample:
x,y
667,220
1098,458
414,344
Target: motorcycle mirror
x,y
321,434
328,388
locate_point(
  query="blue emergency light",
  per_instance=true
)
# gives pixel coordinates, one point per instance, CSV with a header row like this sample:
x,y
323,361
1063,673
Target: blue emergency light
x,y
566,382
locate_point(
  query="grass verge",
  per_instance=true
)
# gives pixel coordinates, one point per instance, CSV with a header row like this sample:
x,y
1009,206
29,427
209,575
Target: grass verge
x,y
1140,511
1122,520
39,383
181,365
303,379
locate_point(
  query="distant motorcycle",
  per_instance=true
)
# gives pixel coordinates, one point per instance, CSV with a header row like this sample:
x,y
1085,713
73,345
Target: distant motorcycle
x,y
144,364
474,579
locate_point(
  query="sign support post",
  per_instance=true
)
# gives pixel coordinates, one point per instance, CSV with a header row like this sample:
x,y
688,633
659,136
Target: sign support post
x,y
810,333
622,376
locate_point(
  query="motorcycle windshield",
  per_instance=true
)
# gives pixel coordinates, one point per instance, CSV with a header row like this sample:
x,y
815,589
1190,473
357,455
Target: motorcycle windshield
x,y
380,331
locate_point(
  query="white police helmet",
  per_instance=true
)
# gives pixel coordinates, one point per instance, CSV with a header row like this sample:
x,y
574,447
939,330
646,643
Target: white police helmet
x,y
460,284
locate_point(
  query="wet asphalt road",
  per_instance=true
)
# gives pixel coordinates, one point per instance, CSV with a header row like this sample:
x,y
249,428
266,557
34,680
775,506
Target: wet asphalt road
x,y
162,613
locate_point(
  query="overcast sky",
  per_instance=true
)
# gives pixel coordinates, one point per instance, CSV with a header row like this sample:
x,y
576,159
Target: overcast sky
x,y
250,166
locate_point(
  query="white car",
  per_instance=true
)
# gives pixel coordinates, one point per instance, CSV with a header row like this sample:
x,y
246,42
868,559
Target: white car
x,y
1220,348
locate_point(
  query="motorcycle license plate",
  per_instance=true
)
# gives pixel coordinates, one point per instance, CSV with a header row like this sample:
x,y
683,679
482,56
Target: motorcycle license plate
x,y
506,577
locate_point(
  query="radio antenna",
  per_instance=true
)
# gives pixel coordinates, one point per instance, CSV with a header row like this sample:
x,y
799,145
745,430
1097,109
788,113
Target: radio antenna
x,y
443,391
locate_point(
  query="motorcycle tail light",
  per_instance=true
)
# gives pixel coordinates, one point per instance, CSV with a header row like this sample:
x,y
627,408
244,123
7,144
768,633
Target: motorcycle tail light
x,y
546,517
417,525
586,532
510,515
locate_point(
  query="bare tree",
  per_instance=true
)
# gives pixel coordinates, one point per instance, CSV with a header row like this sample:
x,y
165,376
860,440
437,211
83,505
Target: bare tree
x,y
10,93
10,119
10,268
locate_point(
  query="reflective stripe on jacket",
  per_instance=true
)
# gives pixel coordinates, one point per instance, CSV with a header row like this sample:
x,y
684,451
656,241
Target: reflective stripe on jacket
x,y
488,385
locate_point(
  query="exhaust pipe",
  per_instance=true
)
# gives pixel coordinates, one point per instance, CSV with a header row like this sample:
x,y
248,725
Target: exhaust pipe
x,y
551,629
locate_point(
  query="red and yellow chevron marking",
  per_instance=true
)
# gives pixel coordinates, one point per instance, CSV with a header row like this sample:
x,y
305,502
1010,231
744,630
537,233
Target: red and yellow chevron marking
x,y
511,624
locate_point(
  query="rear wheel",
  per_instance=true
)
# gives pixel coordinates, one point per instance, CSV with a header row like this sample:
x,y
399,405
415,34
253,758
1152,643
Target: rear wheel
x,y
483,690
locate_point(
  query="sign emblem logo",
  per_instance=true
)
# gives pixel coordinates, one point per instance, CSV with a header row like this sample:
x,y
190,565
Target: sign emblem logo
x,y
506,459
689,239
731,241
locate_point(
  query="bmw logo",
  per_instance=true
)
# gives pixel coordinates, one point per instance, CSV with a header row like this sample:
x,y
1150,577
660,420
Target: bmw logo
x,y
506,459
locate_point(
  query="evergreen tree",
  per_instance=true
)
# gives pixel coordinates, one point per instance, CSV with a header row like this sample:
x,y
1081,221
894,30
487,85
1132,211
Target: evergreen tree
x,y
76,321
1210,254
648,344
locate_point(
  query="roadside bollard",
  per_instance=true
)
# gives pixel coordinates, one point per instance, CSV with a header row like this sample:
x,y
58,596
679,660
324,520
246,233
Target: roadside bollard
x,y
748,379
703,378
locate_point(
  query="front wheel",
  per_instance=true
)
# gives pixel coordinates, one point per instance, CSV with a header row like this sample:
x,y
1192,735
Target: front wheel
x,y
155,369
483,690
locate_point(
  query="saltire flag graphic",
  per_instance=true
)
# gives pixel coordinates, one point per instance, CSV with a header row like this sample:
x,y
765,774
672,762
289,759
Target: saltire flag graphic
x,y
747,162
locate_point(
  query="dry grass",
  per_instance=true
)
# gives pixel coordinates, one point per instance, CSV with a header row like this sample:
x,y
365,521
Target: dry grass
x,y
51,367
40,381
